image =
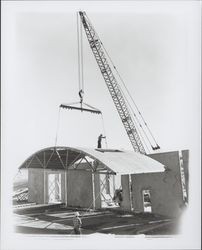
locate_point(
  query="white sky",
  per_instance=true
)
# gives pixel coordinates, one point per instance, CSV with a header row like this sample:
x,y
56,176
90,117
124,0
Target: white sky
x,y
154,45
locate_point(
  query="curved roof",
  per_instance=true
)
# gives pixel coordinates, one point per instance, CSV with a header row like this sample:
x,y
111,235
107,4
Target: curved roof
x,y
98,160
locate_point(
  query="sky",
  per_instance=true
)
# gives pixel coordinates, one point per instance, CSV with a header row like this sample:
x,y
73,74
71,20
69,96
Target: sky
x,y
154,45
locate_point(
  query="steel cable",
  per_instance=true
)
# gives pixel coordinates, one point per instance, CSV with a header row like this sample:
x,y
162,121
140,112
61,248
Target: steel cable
x,y
126,89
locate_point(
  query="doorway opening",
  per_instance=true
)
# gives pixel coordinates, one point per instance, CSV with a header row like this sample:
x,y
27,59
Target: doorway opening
x,y
54,188
147,201
108,188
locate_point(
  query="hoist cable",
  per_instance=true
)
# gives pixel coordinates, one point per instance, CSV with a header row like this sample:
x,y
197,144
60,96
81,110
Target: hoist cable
x,y
125,88
78,50
117,82
130,96
145,144
80,53
103,126
136,120
138,124
136,106
57,128
81,57
124,85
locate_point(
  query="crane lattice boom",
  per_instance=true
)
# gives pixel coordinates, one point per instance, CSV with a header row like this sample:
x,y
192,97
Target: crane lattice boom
x,y
111,82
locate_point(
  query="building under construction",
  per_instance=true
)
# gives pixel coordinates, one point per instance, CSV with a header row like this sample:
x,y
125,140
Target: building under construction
x,y
85,178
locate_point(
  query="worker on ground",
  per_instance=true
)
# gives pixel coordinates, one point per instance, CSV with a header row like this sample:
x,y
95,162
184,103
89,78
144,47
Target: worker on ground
x,y
118,196
77,223
100,137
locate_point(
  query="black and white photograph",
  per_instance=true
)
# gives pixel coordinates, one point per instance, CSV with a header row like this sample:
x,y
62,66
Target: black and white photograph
x,y
100,125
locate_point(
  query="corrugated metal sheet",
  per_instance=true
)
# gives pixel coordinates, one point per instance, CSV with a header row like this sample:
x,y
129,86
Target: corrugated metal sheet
x,y
120,162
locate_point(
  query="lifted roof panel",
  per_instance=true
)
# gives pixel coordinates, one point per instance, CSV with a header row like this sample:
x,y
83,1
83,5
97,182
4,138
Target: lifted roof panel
x,y
116,161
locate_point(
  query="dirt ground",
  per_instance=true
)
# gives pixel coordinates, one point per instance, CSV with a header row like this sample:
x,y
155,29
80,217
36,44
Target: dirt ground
x,y
60,221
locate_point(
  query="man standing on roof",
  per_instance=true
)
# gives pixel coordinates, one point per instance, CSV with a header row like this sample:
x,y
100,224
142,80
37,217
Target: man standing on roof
x,y
81,93
77,223
100,137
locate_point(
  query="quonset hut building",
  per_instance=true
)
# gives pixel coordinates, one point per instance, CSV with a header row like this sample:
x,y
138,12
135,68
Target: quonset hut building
x,y
88,178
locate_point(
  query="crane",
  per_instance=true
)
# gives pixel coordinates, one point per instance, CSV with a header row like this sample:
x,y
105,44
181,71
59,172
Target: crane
x,y
113,86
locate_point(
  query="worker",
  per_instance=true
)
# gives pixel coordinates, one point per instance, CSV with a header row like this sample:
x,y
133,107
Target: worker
x,y
100,137
77,223
81,93
118,197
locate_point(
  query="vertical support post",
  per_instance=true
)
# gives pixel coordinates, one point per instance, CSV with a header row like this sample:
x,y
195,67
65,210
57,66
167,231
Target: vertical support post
x,y
131,195
114,186
44,159
66,160
44,177
93,185
66,187
44,180
66,176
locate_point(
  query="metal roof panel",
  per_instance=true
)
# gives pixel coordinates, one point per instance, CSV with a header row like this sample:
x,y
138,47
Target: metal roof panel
x,y
117,161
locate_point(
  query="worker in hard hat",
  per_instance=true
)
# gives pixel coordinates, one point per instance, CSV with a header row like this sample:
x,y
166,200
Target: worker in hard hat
x,y
77,223
100,137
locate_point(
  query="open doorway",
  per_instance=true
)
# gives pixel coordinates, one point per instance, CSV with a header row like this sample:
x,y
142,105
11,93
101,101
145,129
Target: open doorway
x,y
54,188
108,188
147,201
